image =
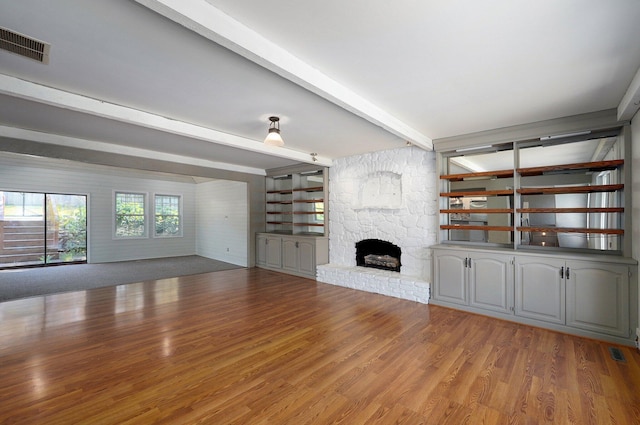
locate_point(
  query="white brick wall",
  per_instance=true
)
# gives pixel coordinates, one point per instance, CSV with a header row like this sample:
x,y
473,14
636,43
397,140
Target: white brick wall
x,y
407,219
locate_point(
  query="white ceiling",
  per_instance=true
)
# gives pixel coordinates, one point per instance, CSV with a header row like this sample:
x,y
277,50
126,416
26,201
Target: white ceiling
x,y
195,81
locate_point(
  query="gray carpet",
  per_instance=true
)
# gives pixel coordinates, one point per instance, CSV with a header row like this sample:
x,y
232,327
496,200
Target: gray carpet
x,y
22,283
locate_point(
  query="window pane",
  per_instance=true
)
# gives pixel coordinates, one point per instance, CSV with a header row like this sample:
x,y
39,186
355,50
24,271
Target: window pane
x,y
130,214
67,219
167,215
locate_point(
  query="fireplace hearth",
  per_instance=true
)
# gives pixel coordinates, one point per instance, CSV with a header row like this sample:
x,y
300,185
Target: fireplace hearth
x,y
378,254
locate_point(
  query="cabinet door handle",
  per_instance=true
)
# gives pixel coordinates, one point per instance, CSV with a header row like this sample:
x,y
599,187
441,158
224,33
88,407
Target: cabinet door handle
x,y
469,262
296,244
466,262
562,272
568,271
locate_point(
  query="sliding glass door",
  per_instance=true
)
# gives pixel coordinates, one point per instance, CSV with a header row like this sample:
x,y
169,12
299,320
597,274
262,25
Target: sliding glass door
x,y
42,228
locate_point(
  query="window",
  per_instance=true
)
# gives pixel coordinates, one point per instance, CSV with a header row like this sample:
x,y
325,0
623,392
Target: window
x,y
130,215
42,228
167,216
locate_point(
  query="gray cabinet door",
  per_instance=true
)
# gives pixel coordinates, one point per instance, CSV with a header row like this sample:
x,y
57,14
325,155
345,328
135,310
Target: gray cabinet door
x,y
307,257
491,281
598,297
450,276
274,251
540,289
261,248
290,254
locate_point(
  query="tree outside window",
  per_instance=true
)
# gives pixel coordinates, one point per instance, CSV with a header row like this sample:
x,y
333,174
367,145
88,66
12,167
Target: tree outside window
x,y
130,215
167,215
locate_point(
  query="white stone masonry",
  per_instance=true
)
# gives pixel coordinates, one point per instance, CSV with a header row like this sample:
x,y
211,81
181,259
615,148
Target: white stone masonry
x,y
392,196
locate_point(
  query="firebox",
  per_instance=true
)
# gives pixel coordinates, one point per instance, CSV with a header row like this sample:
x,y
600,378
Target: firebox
x,y
378,254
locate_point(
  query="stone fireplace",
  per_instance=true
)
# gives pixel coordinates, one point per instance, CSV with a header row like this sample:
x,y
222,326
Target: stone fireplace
x,y
378,255
389,196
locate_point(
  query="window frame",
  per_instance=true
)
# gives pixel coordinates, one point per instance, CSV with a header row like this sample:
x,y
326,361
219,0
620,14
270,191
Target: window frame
x,y
180,215
145,197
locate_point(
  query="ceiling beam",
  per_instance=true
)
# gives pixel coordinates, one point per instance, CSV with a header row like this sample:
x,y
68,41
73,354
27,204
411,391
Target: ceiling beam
x,y
204,19
22,89
73,142
630,102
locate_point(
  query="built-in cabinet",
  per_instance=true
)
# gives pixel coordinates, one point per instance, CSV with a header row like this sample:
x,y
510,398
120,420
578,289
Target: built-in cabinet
x,y
296,238
298,255
295,202
590,298
598,297
588,295
269,250
540,289
483,280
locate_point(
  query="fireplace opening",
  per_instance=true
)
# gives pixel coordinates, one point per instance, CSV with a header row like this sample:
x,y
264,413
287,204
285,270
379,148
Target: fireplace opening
x,y
378,254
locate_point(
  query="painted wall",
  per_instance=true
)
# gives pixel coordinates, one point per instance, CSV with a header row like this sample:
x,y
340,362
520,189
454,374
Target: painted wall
x,y
222,221
33,174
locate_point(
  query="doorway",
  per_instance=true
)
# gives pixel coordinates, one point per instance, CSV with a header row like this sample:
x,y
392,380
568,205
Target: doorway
x,y
38,229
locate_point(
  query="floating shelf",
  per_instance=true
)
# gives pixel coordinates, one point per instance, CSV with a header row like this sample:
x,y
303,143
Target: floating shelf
x,y
576,167
570,189
481,175
478,193
571,210
571,230
475,227
476,210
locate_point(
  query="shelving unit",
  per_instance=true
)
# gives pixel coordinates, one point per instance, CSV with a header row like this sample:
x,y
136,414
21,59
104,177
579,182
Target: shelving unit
x,y
295,203
527,187
613,214
464,220
540,240
295,240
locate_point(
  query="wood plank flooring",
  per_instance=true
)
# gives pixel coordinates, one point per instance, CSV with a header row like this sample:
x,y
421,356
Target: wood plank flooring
x,y
253,346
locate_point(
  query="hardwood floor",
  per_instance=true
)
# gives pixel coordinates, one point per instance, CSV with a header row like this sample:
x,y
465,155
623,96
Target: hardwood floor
x,y
252,346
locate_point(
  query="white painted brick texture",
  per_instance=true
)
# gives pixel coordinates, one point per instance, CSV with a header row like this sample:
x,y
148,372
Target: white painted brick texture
x,y
407,219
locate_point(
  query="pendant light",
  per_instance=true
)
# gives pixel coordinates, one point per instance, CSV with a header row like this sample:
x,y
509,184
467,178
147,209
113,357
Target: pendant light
x,y
274,138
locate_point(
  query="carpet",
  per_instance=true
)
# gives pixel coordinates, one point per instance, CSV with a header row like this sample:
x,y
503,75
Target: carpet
x,y
22,283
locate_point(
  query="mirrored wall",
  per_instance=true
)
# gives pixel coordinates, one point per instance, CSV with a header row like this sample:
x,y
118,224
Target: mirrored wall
x,y
541,194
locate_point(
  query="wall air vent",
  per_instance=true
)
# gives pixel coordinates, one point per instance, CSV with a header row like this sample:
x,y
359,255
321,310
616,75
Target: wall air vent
x,y
24,46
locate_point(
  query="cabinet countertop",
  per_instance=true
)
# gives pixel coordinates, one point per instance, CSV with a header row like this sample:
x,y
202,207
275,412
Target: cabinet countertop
x,y
536,253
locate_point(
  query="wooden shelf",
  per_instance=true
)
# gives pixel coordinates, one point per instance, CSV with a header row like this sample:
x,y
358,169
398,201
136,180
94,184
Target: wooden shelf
x,y
281,192
477,210
308,201
307,212
280,222
570,189
571,230
477,193
309,224
280,202
580,166
484,174
571,210
475,227
310,189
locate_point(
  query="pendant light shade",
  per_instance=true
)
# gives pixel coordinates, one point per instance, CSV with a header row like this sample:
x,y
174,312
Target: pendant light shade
x,y
274,138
